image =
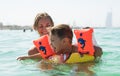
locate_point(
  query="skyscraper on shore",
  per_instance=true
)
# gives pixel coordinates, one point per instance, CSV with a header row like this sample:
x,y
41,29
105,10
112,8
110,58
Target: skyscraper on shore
x,y
109,19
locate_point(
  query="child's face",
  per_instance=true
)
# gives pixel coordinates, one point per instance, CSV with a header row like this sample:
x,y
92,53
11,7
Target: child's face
x,y
56,43
43,24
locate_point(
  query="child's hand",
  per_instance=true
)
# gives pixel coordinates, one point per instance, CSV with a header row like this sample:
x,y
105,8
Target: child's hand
x,y
23,58
56,59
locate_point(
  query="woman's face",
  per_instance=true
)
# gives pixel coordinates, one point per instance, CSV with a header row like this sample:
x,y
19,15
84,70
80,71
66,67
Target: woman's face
x,y
43,25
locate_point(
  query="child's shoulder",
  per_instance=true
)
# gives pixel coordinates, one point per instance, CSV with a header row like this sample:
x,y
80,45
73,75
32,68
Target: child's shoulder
x,y
74,48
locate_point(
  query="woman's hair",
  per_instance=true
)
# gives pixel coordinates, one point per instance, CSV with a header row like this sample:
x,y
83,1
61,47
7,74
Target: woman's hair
x,y
40,16
62,31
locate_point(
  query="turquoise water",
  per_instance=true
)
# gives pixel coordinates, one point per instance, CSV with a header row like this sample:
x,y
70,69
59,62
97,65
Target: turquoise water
x,y
15,43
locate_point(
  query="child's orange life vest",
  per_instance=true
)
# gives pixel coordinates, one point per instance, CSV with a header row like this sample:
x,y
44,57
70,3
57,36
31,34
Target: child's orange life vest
x,y
43,46
84,41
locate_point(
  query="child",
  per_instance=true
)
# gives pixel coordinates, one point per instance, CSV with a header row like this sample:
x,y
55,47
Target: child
x,y
61,41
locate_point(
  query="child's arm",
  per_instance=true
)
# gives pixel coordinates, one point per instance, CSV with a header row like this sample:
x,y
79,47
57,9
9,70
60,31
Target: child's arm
x,y
94,40
32,51
35,56
93,37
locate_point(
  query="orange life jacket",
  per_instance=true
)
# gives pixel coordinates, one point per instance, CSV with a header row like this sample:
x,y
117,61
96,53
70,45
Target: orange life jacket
x,y
84,41
43,46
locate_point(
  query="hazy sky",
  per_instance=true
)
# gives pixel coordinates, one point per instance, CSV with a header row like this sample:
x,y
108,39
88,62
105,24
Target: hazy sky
x,y
79,12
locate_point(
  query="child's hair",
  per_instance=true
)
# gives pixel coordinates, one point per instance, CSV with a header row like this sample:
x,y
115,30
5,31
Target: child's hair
x,y
40,16
62,31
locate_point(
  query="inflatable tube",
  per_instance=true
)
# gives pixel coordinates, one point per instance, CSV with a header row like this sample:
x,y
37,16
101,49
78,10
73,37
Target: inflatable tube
x,y
74,58
77,58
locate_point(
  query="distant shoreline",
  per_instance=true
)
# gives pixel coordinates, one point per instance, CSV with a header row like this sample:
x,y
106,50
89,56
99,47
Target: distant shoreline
x,y
15,27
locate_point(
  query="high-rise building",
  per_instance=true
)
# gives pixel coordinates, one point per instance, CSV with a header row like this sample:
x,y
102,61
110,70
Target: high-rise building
x,y
109,19
1,24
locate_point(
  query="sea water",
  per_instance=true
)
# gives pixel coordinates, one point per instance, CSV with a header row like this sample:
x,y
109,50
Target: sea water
x,y
15,43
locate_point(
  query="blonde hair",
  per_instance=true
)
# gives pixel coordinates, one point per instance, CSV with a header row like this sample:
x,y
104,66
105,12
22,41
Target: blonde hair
x,y
40,16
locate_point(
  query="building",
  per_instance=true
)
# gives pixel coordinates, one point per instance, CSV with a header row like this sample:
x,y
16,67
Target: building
x,y
1,25
109,19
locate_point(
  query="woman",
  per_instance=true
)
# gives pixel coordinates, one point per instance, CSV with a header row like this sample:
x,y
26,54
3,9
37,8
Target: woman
x,y
43,21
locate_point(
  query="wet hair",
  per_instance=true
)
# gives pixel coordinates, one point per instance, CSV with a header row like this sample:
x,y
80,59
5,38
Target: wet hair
x,y
62,31
40,16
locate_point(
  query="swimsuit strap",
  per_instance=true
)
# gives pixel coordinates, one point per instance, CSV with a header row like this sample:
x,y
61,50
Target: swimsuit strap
x,y
64,57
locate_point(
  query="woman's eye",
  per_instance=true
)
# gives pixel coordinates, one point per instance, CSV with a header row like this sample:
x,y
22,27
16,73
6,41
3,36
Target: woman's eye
x,y
48,25
40,26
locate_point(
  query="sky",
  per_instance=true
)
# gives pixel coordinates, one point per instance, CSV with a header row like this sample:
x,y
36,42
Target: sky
x,y
73,12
